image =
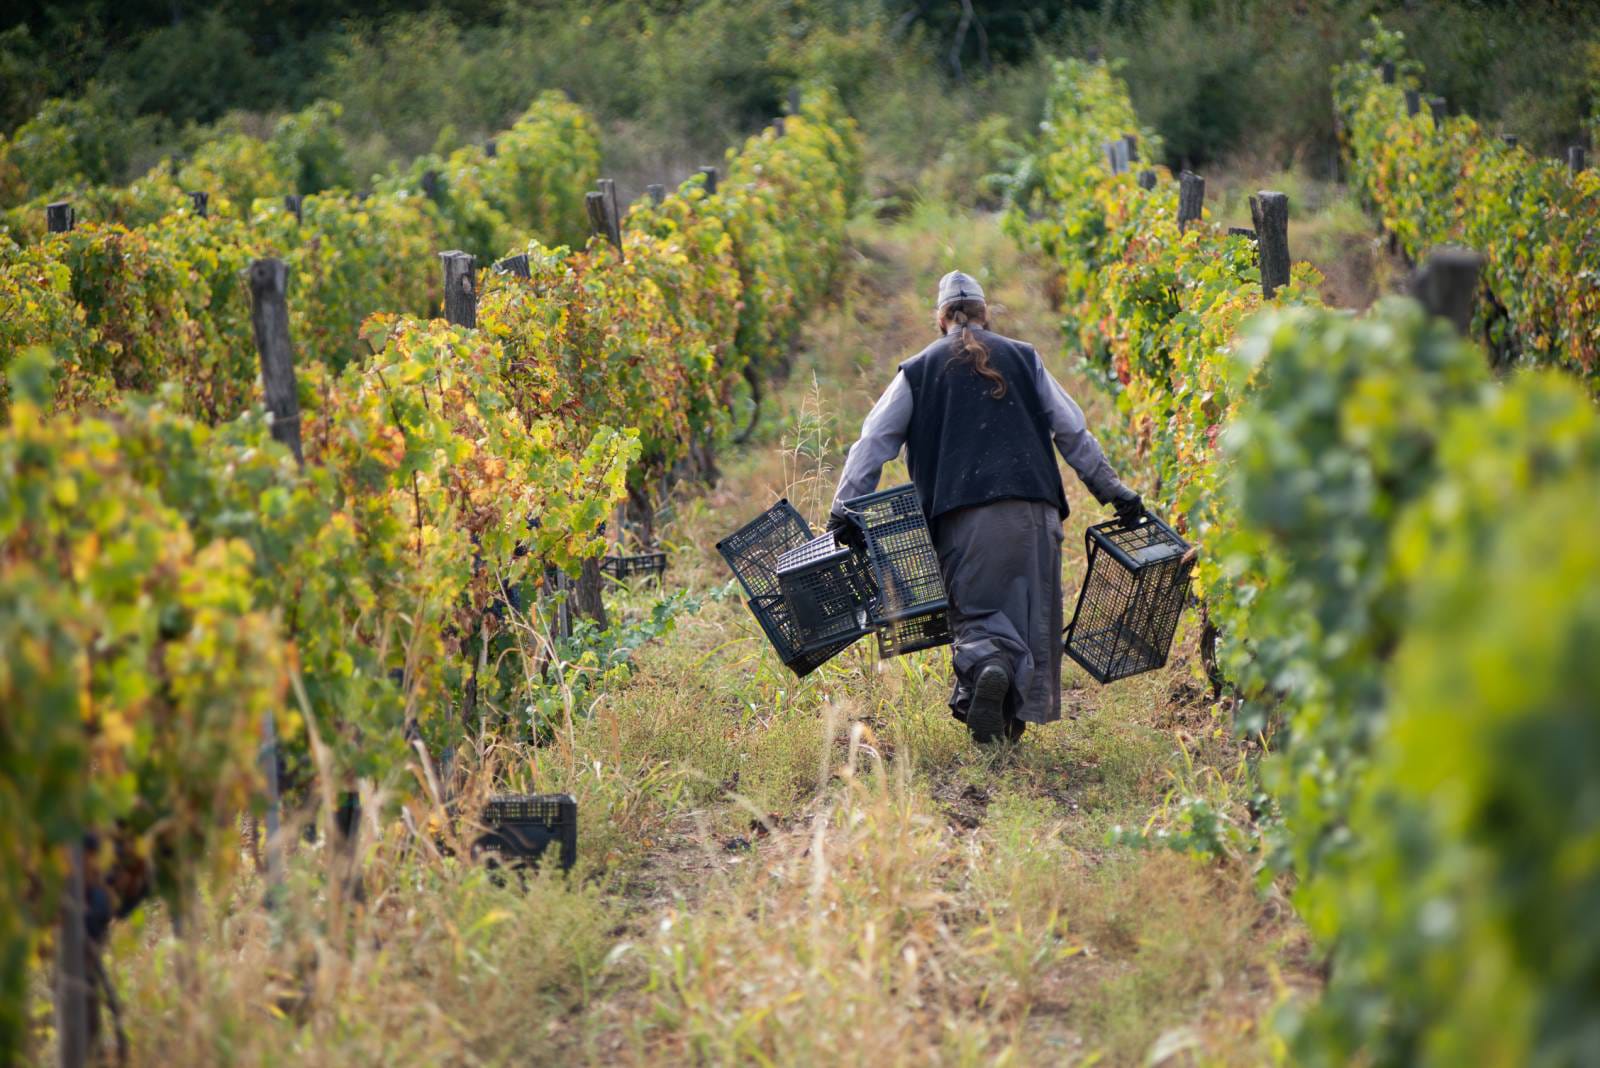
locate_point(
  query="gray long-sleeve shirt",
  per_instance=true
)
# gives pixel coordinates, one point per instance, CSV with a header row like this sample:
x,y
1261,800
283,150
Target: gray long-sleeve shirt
x,y
883,434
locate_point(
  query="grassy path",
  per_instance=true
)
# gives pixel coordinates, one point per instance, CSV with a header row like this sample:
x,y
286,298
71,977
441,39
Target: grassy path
x,y
841,877
774,871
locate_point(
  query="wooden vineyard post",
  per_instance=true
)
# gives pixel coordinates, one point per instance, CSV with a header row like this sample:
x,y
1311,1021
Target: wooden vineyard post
x,y
59,217
794,100
1131,146
269,316
1147,179
657,192
1413,102
1386,71
1447,285
461,309
432,187
608,189
1271,214
1191,196
1509,139
72,968
516,266
711,180
491,148
201,201
1577,158
1436,106
295,203
460,289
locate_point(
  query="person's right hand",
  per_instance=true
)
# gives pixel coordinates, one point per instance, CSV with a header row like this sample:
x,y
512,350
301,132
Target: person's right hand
x,y
846,533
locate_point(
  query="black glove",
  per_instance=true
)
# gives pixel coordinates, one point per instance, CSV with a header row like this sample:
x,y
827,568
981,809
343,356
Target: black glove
x,y
846,532
1130,508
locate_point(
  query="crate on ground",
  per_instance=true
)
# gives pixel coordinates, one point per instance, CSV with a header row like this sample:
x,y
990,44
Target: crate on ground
x,y
900,552
752,552
519,828
914,633
621,567
827,591
1134,588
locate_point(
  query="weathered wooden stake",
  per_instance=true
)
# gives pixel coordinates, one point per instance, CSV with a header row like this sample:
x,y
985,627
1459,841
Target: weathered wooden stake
x,y
1437,106
613,211
1447,285
658,193
269,315
460,288
296,203
1271,213
794,100
432,187
777,125
201,201
267,759
711,179
59,217
514,265
1509,139
588,594
595,205
1386,68
491,148
1131,142
1577,158
1413,102
72,968
1191,197
1147,179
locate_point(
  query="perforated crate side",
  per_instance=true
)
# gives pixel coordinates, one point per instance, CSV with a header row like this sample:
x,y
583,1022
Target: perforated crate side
x,y
914,634
828,592
1134,589
521,827
622,567
773,615
900,553
752,551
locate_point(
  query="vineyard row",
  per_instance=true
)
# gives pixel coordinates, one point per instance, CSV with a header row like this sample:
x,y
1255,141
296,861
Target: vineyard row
x,y
173,576
1398,571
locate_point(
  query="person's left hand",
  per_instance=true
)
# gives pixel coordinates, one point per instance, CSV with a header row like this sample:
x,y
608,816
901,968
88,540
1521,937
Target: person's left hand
x,y
1130,508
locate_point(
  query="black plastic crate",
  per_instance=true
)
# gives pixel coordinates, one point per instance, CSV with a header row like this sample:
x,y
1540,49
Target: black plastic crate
x,y
1134,588
752,551
827,591
518,828
621,567
900,553
779,627
913,634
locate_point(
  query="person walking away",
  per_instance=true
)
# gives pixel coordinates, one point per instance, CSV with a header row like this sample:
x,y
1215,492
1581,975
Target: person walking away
x,y
979,416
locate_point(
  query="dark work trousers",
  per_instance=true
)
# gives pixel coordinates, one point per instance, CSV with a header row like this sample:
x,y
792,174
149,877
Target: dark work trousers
x,y
1002,568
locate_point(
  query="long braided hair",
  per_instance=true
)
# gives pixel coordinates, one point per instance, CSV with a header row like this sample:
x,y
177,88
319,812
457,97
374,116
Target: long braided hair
x,y
964,315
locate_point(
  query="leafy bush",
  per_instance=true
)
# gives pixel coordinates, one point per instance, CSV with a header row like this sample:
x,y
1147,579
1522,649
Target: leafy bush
x,y
1435,184
1394,549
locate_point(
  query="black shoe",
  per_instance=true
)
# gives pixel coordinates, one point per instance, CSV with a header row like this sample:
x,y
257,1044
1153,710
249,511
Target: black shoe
x,y
986,716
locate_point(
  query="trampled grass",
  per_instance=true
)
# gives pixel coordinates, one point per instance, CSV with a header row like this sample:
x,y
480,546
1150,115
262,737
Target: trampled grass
x,y
777,871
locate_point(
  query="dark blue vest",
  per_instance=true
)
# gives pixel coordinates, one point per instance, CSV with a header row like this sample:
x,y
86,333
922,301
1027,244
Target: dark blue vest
x,y
964,446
